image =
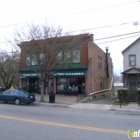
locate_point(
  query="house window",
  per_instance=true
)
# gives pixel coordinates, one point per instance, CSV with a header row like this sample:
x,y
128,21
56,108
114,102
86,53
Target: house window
x,y
132,60
76,56
99,62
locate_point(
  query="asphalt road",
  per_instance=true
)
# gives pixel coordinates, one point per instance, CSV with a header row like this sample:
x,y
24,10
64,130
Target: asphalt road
x,y
47,122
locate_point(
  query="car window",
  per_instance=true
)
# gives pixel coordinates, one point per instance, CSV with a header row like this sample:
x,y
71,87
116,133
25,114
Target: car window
x,y
21,93
13,92
6,92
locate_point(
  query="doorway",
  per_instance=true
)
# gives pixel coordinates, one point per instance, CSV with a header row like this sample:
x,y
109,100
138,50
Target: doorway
x,y
133,82
33,85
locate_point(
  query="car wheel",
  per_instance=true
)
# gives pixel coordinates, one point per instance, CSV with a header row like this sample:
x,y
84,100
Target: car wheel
x,y
17,101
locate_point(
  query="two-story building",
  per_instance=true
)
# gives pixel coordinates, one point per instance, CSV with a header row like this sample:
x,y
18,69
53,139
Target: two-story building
x,y
90,69
131,67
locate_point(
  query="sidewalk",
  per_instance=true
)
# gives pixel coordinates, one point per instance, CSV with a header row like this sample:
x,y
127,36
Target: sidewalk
x,y
59,99
102,104
107,104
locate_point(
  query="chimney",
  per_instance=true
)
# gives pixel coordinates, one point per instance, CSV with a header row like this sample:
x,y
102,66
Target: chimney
x,y
91,37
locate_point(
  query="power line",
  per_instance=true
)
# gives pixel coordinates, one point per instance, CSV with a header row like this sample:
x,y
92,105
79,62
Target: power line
x,y
106,6
117,36
95,28
67,14
118,39
137,34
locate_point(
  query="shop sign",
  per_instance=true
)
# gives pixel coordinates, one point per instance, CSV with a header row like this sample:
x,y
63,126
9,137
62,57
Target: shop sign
x,y
29,75
69,74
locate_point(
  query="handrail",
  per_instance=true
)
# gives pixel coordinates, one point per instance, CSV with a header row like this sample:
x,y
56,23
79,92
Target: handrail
x,y
104,89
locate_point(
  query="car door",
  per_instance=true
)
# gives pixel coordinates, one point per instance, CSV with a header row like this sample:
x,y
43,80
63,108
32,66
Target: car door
x,y
12,95
5,96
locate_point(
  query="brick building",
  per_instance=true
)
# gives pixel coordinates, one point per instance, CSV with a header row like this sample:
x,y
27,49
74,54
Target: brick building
x,y
90,70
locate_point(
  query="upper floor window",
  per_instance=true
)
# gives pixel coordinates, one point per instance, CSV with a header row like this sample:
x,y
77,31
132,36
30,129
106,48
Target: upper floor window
x,y
132,60
28,61
99,62
76,56
42,58
67,57
59,56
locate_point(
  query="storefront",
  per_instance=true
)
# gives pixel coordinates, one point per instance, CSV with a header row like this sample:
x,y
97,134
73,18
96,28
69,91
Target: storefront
x,y
66,82
70,82
30,82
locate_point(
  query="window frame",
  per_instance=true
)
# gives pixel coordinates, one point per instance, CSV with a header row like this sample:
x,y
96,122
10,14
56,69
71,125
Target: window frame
x,y
76,56
134,56
99,62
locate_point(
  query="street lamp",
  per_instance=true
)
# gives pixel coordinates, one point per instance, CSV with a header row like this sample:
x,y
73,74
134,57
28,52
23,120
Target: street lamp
x,y
106,48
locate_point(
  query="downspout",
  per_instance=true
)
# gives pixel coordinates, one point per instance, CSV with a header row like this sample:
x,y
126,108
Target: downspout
x,y
107,72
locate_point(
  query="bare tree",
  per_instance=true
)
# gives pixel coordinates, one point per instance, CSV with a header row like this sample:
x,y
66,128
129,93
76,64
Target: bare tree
x,y
9,68
45,50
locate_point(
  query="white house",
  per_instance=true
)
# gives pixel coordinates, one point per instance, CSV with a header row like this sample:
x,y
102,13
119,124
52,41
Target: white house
x,y
131,67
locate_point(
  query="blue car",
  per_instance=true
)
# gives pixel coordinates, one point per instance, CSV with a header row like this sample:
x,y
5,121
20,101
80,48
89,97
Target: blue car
x,y
17,96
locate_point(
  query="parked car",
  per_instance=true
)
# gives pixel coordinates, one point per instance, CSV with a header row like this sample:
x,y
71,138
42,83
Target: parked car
x,y
17,96
2,89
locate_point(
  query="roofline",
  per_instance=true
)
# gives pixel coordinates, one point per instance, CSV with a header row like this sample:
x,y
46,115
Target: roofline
x,y
130,69
131,45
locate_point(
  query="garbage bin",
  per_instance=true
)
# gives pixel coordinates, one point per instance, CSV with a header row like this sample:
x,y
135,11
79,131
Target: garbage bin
x,y
51,97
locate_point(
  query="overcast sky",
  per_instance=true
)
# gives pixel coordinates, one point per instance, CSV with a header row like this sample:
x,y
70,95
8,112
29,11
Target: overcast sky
x,y
114,17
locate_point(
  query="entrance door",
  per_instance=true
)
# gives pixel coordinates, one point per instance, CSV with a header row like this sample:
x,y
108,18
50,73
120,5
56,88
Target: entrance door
x,y
50,85
33,85
132,82
81,82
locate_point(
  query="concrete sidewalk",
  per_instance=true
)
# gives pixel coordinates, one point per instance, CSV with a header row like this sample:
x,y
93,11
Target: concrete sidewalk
x,y
103,104
59,99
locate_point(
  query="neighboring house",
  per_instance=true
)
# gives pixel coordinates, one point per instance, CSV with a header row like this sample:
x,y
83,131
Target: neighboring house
x,y
131,67
91,69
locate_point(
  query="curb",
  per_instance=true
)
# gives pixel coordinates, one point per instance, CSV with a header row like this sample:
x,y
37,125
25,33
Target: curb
x,y
52,104
126,111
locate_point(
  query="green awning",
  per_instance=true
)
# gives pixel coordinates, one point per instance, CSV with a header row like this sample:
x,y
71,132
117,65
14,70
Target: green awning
x,y
70,74
28,75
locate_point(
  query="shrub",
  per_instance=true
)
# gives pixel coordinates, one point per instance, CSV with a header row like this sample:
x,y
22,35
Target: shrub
x,y
125,95
138,92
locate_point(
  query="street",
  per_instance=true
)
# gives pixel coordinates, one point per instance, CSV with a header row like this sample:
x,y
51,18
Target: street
x,y
40,121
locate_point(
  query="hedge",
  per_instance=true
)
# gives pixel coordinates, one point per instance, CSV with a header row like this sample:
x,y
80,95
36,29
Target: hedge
x,y
125,95
138,92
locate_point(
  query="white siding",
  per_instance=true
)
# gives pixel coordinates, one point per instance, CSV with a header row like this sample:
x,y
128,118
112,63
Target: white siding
x,y
135,49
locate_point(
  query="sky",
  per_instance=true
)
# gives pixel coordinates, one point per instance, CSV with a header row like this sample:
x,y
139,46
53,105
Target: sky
x,y
103,18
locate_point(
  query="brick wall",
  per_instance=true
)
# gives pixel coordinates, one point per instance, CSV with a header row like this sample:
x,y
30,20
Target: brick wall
x,y
97,76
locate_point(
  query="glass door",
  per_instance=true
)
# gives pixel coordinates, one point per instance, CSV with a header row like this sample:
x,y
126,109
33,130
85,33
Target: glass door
x,y
33,85
50,85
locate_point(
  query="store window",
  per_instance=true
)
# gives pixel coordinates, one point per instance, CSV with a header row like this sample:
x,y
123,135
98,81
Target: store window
x,y
62,84
50,85
73,84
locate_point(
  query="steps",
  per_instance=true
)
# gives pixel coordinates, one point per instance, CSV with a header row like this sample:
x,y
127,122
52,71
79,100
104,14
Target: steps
x,y
133,97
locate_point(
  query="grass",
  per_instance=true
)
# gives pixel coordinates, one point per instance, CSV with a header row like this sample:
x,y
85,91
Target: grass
x,y
118,103
96,99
